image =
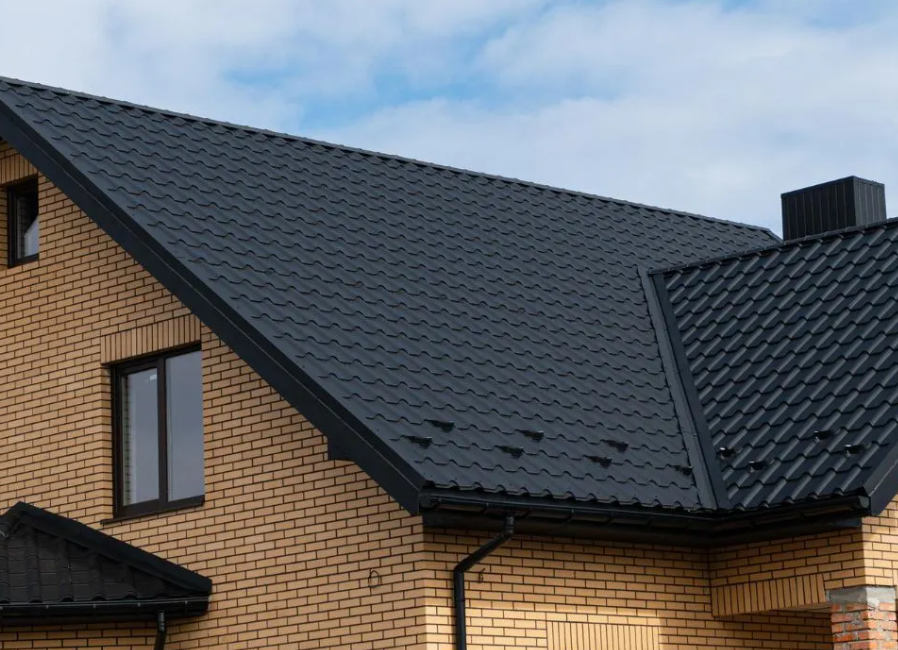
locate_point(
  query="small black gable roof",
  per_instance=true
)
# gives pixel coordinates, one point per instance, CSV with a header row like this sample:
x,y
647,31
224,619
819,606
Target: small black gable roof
x,y
52,567
451,332
794,354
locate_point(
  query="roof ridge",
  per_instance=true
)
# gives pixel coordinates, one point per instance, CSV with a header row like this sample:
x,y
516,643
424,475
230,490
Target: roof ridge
x,y
377,154
843,233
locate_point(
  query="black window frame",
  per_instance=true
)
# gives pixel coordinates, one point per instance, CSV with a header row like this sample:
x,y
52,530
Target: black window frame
x,y
13,192
120,371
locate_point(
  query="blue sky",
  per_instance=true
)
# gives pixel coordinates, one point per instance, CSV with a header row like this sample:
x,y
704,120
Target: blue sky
x,y
709,106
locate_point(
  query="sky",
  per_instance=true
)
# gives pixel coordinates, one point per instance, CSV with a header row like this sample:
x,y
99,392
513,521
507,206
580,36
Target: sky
x,y
708,106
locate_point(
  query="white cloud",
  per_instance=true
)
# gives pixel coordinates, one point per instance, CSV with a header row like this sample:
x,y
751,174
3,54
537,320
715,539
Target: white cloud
x,y
677,104
681,103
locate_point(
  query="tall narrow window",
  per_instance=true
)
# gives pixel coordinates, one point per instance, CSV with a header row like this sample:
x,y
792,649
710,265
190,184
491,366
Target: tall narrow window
x,y
24,224
159,433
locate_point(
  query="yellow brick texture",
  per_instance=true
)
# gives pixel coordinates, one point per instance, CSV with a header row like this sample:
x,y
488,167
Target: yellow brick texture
x,y
880,548
309,553
303,552
519,595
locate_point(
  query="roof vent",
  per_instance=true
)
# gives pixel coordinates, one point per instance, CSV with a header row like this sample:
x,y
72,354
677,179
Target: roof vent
x,y
620,445
533,434
514,452
422,441
832,206
725,452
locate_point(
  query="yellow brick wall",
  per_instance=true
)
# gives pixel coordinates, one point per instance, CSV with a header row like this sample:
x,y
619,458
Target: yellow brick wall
x,y
519,596
289,538
880,548
785,573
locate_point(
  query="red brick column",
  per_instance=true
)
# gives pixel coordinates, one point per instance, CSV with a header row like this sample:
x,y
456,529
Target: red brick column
x,y
863,618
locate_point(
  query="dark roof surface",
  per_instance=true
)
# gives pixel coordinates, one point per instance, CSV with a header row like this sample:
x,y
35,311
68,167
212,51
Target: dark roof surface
x,y
396,292
794,354
53,565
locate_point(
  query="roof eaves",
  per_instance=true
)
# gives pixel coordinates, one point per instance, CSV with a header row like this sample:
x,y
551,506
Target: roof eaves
x,y
639,523
374,456
38,614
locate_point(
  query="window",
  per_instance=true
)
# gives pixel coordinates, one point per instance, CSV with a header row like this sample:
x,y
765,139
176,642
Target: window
x,y
159,433
23,223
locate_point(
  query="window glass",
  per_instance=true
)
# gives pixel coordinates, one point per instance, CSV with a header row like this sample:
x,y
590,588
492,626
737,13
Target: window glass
x,y
184,403
140,436
27,225
160,433
24,223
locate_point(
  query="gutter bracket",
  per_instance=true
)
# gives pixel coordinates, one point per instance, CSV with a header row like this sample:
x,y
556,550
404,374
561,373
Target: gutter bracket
x,y
458,581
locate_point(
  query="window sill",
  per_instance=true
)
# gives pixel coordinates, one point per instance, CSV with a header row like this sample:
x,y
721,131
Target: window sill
x,y
183,504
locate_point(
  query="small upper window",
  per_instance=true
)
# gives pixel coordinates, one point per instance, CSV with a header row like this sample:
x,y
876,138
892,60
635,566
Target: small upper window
x,y
24,225
159,433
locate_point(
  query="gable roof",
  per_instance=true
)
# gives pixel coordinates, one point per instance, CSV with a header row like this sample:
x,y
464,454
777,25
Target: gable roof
x,y
393,293
470,341
55,567
793,351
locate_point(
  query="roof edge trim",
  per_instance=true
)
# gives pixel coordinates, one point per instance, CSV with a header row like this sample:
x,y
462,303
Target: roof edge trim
x,y
33,614
882,485
371,454
714,528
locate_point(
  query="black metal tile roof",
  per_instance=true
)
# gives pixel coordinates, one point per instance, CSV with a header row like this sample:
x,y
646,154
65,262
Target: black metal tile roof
x,y
404,293
794,354
57,567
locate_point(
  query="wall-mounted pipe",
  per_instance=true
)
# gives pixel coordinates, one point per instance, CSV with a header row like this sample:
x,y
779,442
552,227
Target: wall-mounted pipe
x,y
458,581
161,631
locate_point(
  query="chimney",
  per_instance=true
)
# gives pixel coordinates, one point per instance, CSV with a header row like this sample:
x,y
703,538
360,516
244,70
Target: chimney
x,y
832,206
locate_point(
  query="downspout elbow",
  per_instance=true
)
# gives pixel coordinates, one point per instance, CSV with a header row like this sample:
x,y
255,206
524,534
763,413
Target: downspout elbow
x,y
458,580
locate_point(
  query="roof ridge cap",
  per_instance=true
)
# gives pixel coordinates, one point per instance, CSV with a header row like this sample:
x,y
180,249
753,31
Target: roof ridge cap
x,y
377,154
843,233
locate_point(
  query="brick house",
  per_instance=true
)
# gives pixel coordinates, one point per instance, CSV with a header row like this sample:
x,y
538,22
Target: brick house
x,y
265,392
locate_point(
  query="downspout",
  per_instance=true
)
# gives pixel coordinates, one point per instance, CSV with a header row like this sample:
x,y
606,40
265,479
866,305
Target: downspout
x,y
458,581
161,631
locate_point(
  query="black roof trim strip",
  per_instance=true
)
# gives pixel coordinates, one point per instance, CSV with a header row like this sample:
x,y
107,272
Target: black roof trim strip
x,y
882,486
399,479
704,479
645,524
35,614
701,436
